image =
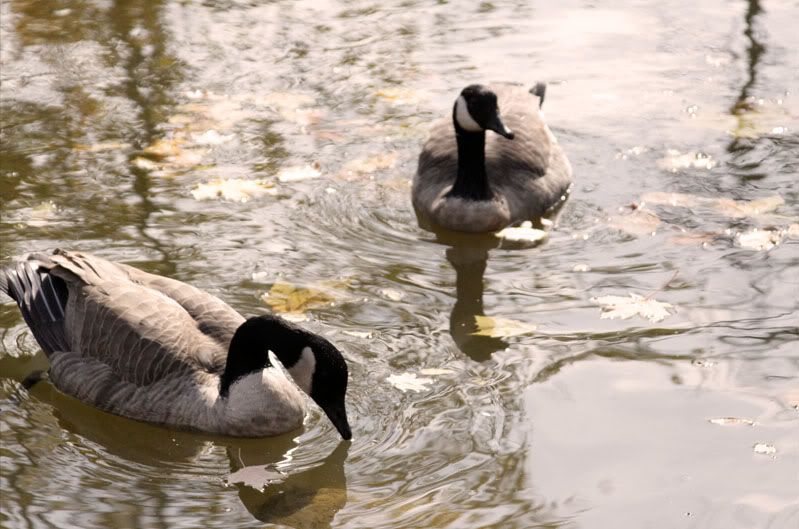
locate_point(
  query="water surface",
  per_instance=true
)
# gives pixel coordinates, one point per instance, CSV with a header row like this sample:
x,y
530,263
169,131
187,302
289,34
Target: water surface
x,y
113,113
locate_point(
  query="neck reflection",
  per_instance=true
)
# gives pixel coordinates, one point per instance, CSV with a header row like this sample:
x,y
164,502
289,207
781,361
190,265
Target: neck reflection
x,y
469,262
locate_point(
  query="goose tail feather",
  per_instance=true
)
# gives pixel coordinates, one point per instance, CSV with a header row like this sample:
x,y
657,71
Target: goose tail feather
x,y
41,298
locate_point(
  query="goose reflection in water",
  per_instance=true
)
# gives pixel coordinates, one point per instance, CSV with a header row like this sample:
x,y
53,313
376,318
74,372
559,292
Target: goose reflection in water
x,y
274,484
469,262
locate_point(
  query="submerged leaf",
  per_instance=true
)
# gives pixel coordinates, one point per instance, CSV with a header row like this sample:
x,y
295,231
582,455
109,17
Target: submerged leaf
x,y
234,190
725,206
409,382
634,305
501,327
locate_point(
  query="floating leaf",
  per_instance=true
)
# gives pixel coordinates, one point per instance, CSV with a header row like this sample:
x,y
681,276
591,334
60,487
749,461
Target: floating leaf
x,y
294,174
398,96
145,163
164,147
633,305
392,293
234,190
501,327
41,215
101,147
366,166
640,221
255,476
675,160
359,334
765,449
758,240
434,371
288,299
731,421
211,137
523,233
409,382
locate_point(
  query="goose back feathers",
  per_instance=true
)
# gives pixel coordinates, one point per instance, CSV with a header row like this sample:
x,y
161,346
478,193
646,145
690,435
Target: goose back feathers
x,y
156,349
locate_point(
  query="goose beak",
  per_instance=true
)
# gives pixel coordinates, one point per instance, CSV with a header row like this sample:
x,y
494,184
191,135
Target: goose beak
x,y
337,414
495,124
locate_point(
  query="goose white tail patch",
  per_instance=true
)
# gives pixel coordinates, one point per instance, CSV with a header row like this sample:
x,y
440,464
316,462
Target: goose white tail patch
x,y
465,120
302,372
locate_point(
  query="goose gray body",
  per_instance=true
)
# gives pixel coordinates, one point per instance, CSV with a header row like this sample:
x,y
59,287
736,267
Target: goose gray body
x,y
147,347
528,174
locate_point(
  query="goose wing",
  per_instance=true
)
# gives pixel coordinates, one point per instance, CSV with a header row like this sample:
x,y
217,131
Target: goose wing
x,y
136,327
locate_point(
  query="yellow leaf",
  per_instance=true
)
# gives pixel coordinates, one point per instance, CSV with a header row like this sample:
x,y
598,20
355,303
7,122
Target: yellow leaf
x,y
234,190
286,298
365,166
501,327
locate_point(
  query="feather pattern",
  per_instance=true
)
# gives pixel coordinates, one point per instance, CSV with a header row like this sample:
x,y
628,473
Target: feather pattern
x,y
528,174
145,346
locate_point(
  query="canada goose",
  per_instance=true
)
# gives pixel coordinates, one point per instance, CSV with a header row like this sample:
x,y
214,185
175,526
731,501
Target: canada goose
x,y
158,350
467,182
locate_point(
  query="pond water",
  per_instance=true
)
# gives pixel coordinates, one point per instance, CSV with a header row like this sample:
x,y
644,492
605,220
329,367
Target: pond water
x,y
129,129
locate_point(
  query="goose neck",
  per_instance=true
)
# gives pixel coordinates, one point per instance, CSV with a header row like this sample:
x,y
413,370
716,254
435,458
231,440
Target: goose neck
x,y
471,181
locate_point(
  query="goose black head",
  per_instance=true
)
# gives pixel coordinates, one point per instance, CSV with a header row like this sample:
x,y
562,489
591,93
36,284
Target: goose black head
x,y
315,364
328,380
476,110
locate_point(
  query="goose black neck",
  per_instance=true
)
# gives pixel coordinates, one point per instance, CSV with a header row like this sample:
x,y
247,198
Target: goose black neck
x,y
250,346
472,181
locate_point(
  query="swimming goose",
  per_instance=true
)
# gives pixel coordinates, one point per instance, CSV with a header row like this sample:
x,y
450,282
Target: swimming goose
x,y
466,181
158,350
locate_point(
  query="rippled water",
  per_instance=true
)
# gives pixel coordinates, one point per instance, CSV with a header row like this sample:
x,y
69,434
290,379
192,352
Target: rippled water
x,y
114,112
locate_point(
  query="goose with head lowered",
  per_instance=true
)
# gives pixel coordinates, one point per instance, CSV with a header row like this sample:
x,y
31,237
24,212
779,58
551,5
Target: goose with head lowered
x,y
158,350
469,181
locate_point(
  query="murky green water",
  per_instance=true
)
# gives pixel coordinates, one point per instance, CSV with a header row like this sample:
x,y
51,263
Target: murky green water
x,y
113,113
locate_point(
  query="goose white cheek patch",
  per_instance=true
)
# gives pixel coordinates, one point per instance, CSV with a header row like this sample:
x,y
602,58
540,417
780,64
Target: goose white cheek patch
x,y
465,120
302,371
